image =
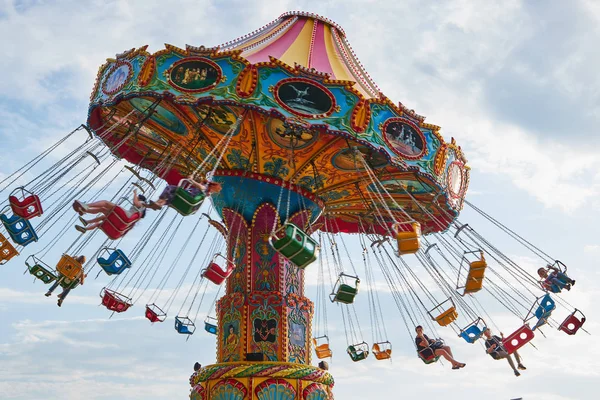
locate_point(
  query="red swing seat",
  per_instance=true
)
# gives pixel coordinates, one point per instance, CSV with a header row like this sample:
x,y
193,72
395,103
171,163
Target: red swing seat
x,y
517,339
154,313
572,323
28,206
117,223
215,273
115,301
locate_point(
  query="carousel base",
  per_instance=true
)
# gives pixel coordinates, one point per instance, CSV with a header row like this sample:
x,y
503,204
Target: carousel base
x,y
261,381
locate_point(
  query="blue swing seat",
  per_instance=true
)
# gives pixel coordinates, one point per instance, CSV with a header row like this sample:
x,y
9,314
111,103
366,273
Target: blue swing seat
x,y
116,263
184,325
474,331
210,325
544,311
19,229
545,306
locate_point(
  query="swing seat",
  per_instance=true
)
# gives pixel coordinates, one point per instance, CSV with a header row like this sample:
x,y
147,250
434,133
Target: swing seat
x,y
345,294
28,206
7,250
447,317
322,350
475,276
409,241
358,352
184,326
116,263
427,355
115,301
543,311
19,229
67,283
473,331
69,267
215,273
154,313
518,339
117,223
295,245
40,271
210,325
572,323
382,350
184,203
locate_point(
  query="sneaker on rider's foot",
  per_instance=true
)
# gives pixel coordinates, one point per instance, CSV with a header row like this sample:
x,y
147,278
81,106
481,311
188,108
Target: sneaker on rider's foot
x,y
517,373
521,367
80,228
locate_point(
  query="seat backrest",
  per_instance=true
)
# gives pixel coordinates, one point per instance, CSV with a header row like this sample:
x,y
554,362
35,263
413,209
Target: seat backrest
x,y
518,339
571,324
447,317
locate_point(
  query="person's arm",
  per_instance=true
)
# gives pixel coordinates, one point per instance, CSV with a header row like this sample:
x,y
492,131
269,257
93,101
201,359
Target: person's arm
x,y
198,185
136,202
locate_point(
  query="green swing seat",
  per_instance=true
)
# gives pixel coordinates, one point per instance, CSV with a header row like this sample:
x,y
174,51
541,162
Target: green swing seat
x,y
186,204
343,292
358,352
295,245
40,271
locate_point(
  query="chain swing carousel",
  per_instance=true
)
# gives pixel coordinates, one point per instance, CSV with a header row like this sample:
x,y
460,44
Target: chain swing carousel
x,y
307,150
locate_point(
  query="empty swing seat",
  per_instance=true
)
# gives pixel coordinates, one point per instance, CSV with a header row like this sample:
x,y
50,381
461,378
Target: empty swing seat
x,y
295,245
184,325
7,250
210,325
184,202
115,301
40,271
358,352
345,294
28,206
447,316
518,339
572,323
409,241
382,350
117,223
19,229
154,313
322,350
116,263
215,273
69,267
473,331
475,276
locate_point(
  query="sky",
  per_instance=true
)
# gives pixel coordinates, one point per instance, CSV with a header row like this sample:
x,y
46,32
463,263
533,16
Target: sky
x,y
514,82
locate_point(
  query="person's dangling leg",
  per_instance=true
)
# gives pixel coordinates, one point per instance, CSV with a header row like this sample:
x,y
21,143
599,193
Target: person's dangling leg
x,y
54,286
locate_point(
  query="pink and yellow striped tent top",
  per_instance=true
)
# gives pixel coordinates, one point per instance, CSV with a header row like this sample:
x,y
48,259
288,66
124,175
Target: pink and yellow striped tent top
x,y
308,40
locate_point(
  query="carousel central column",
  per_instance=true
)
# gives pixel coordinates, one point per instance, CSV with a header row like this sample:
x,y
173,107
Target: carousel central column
x,y
264,329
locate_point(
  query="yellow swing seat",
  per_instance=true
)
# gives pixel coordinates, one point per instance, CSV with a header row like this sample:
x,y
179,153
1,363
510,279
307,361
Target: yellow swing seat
x,y
409,241
475,275
322,350
445,317
69,267
7,250
382,350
